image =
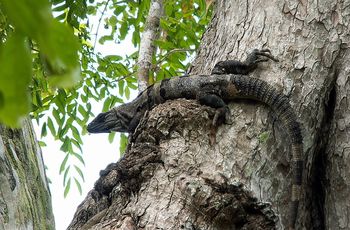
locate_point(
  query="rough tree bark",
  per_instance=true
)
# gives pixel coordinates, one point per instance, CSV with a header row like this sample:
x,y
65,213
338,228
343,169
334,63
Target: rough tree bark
x,y
25,200
172,178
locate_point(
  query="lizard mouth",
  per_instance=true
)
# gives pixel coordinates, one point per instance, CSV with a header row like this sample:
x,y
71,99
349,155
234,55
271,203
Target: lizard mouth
x,y
104,123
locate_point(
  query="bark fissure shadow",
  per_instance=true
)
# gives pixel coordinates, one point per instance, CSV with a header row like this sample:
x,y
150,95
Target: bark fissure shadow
x,y
318,180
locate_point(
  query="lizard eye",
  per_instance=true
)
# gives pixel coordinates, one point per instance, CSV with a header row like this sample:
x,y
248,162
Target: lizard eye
x,y
223,69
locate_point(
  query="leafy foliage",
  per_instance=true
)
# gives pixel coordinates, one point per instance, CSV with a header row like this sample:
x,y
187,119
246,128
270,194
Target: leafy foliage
x,y
31,22
48,54
13,91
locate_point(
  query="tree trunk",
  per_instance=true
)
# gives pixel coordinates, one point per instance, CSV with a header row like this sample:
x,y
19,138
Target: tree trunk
x,y
25,200
147,48
172,178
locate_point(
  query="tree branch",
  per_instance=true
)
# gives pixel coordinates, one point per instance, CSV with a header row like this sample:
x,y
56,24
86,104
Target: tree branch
x,y
147,49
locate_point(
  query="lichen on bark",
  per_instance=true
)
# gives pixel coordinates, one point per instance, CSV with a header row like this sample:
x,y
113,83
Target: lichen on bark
x,y
25,200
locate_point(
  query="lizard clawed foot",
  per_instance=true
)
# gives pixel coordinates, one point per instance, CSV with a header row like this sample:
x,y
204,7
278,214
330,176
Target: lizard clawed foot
x,y
222,115
245,67
262,55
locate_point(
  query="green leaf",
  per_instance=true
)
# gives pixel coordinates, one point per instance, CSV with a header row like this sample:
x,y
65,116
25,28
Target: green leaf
x,y
67,188
31,17
64,63
91,10
77,183
79,172
123,30
123,143
64,162
66,171
37,100
77,144
106,104
61,100
51,126
202,4
131,85
105,38
114,58
122,69
57,117
82,111
42,144
60,8
76,134
79,157
34,19
61,133
57,2
15,75
136,37
127,93
61,16
88,107
111,137
121,87
113,20
43,130
119,9
168,9
67,145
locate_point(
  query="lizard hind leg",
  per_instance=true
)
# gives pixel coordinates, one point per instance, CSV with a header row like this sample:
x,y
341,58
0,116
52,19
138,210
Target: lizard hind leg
x,y
222,113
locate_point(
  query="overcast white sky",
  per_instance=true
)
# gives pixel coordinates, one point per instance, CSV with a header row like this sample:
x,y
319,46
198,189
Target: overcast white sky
x,y
97,153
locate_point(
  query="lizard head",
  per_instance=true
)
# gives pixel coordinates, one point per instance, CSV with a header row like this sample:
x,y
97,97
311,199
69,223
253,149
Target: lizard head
x,y
114,120
219,68
123,118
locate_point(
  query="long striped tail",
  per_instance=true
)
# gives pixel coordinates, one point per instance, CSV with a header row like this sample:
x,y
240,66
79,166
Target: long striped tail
x,y
260,90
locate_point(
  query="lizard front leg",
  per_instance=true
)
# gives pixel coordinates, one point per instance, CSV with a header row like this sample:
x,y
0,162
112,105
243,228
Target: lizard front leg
x,y
245,67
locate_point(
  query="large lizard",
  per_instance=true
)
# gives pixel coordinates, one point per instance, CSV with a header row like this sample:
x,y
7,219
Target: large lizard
x,y
226,83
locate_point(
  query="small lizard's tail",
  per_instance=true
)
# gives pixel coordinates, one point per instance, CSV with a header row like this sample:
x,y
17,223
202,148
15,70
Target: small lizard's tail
x,y
257,89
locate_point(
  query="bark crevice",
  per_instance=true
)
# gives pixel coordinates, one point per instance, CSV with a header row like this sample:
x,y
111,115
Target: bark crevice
x,y
319,165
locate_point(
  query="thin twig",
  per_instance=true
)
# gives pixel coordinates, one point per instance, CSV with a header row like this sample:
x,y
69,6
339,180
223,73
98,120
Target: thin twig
x,y
124,77
99,22
116,80
173,51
